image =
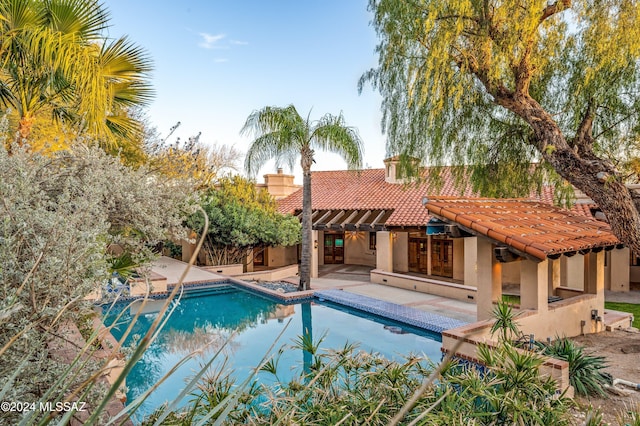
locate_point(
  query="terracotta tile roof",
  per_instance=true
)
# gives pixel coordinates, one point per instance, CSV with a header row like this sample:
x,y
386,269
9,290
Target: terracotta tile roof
x,y
531,226
367,189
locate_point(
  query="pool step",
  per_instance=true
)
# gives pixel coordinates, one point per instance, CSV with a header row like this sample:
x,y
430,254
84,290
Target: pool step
x,y
208,290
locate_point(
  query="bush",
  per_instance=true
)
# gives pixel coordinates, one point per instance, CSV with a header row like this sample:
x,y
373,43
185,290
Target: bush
x,y
60,215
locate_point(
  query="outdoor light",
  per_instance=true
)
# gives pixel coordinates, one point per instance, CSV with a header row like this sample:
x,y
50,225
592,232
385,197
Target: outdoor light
x,y
315,244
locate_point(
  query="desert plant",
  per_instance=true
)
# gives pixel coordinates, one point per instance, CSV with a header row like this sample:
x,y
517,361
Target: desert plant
x,y
504,321
585,371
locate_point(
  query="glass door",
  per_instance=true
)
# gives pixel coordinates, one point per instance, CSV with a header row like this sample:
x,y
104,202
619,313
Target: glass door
x,y
333,248
418,252
442,258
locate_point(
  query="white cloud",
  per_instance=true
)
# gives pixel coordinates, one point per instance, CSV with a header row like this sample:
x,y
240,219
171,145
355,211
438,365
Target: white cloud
x,y
239,42
220,60
210,41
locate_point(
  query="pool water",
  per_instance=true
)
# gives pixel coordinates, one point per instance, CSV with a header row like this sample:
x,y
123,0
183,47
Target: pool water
x,y
214,314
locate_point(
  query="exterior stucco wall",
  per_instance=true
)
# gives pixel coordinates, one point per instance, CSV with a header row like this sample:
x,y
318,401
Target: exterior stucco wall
x,y
356,249
401,252
424,285
511,273
458,258
281,256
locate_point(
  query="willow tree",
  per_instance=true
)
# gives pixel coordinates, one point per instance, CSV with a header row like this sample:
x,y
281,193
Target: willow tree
x,y
54,57
499,85
282,134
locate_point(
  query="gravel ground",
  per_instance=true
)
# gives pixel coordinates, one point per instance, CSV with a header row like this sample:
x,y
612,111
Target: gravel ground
x,y
277,286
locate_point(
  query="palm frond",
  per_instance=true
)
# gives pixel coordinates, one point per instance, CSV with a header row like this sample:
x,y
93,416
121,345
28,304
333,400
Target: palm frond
x,y
280,134
332,134
87,19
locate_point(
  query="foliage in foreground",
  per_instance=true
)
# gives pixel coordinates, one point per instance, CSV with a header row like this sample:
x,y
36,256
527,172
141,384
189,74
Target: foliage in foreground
x,y
355,388
61,216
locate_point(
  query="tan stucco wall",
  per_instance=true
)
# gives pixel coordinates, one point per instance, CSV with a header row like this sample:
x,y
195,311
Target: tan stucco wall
x,y
271,275
424,285
564,318
458,258
471,261
281,256
279,185
619,270
356,249
225,269
572,271
384,251
511,273
401,252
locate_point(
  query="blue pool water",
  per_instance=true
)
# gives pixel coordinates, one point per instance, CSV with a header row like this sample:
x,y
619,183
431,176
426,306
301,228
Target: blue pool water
x,y
213,315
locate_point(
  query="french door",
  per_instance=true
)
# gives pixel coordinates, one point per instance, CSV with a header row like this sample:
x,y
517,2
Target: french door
x,y
442,258
333,248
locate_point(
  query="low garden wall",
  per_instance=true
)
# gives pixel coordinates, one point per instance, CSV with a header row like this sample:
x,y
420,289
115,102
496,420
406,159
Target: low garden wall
x,y
270,275
424,285
233,270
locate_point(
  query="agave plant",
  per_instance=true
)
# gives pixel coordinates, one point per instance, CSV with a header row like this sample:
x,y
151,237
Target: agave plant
x,y
586,373
505,321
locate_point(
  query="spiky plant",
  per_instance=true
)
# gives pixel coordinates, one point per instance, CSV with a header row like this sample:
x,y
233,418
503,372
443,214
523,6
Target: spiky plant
x,y
586,373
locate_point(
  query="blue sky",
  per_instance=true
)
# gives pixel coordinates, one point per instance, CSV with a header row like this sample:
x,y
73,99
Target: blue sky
x,y
217,61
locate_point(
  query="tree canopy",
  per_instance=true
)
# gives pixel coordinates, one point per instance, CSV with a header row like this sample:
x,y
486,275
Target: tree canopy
x,y
201,164
500,85
53,55
242,218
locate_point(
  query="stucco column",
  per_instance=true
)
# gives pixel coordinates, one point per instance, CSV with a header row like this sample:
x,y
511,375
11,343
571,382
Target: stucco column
x,y
384,251
471,261
249,261
315,244
488,275
554,275
620,269
572,271
594,282
534,285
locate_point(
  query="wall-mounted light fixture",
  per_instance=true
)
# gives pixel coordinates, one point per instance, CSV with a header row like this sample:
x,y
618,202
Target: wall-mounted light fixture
x,y
315,244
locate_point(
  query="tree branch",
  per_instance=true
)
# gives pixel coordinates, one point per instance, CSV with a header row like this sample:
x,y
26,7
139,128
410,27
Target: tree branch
x,y
583,141
554,8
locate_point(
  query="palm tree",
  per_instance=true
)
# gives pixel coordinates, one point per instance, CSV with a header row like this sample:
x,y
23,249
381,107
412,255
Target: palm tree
x,y
281,134
53,58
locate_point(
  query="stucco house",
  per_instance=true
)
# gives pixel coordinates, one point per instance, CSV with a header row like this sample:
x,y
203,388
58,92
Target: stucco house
x,y
406,234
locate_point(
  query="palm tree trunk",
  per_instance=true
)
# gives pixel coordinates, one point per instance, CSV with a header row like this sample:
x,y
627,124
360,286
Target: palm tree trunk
x,y
305,261
24,128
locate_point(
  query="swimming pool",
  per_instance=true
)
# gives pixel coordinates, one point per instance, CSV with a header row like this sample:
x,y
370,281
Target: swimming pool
x,y
214,314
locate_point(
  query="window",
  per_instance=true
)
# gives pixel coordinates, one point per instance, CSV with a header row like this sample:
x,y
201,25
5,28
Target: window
x,y
372,240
